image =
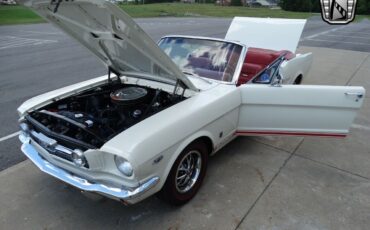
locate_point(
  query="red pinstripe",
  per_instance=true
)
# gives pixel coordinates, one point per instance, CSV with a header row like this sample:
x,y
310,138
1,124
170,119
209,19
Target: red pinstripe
x,y
241,132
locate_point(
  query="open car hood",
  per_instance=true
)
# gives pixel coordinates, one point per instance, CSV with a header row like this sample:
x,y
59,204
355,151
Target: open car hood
x,y
111,35
267,33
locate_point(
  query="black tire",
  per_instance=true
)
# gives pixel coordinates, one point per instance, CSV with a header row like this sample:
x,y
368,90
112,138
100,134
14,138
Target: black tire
x,y
179,195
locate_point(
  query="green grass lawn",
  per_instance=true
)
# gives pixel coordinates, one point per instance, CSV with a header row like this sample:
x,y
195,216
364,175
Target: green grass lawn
x,y
17,15
21,15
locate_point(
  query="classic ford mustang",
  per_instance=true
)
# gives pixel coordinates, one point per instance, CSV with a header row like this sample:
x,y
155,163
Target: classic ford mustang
x,y
150,125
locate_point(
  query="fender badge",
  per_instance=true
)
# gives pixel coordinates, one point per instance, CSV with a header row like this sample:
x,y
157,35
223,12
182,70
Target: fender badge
x,y
157,160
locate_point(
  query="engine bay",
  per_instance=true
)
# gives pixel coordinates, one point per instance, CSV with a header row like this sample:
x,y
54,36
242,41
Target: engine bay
x,y
91,118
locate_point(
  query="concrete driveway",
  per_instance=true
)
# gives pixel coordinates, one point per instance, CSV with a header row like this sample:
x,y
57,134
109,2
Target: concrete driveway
x,y
253,183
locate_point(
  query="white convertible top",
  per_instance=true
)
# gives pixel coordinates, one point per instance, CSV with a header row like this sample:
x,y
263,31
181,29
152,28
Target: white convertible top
x,y
267,33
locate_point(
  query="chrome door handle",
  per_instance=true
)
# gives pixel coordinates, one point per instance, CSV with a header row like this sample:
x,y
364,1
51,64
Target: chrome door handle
x,y
358,95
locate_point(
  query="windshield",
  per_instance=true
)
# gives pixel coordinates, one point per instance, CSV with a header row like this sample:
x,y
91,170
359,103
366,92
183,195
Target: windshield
x,y
206,58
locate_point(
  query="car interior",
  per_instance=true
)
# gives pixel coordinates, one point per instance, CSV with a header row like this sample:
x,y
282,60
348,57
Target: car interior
x,y
258,59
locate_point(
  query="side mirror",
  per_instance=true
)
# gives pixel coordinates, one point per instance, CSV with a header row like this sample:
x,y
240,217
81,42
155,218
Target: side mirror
x,y
278,81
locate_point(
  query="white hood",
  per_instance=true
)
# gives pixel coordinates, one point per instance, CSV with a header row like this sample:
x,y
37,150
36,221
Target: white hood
x,y
111,35
267,33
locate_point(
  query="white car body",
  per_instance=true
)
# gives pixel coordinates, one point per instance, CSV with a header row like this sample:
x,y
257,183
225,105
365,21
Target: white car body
x,y
213,111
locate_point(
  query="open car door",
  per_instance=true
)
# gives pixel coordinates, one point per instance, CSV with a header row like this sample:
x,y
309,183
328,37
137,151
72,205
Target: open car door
x,y
299,110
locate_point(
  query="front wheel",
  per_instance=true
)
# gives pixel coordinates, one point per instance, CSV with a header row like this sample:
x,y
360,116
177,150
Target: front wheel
x,y
186,175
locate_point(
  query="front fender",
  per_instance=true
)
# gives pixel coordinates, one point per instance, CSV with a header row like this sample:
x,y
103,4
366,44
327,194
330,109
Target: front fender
x,y
162,168
182,146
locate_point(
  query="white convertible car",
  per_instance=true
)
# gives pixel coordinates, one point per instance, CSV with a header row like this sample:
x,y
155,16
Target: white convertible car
x,y
150,125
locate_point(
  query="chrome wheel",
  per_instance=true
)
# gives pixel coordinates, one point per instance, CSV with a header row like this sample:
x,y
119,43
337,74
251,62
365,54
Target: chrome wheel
x,y
186,175
188,171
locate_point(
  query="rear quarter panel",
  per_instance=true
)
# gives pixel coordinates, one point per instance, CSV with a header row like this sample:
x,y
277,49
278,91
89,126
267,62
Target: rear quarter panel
x,y
299,65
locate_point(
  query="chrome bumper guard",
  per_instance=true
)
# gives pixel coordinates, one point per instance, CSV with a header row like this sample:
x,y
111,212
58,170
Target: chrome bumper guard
x,y
83,184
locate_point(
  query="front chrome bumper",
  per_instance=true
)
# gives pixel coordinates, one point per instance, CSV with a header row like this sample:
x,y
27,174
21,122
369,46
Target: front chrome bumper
x,y
83,184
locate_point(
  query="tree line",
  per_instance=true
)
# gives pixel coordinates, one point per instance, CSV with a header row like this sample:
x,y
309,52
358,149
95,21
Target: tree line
x,y
363,6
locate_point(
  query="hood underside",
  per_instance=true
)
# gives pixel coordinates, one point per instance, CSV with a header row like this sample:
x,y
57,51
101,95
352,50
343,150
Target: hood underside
x,y
111,35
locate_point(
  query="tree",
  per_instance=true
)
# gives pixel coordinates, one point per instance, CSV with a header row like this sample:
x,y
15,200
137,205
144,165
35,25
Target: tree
x,y
315,6
155,1
363,7
305,5
301,5
236,2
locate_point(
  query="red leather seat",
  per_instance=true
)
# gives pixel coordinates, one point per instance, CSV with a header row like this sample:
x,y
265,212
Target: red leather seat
x,y
260,56
249,70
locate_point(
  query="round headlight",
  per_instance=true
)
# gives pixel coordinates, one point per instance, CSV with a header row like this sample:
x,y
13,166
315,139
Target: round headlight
x,y
123,166
78,157
25,132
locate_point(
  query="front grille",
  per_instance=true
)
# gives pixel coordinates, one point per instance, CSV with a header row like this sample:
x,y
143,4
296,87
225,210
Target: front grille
x,y
66,141
51,146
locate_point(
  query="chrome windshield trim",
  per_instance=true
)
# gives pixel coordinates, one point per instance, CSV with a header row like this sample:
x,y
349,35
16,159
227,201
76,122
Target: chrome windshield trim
x,y
239,66
202,38
121,193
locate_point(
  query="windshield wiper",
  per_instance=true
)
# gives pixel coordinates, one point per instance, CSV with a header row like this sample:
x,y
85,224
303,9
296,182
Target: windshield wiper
x,y
196,76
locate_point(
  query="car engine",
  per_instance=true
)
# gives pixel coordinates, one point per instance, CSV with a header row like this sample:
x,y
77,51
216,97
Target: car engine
x,y
91,118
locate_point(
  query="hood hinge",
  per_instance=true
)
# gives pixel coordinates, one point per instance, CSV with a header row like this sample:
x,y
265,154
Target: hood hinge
x,y
111,70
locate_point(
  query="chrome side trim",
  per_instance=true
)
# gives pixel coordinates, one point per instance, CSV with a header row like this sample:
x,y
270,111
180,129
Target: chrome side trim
x,y
83,184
